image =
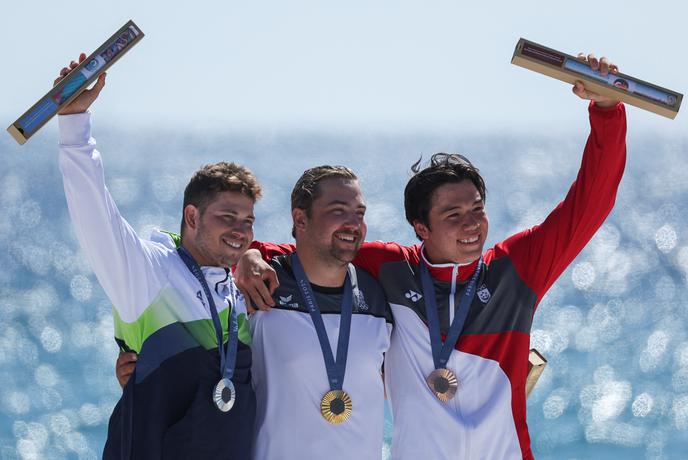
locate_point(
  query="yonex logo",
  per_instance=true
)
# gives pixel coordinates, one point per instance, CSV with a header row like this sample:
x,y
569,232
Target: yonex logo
x,y
413,296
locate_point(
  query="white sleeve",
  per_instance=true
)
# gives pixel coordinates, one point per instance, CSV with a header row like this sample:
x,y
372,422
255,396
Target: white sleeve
x,y
130,270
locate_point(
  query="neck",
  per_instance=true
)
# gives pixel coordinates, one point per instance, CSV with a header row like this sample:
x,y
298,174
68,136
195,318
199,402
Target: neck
x,y
195,253
326,273
437,259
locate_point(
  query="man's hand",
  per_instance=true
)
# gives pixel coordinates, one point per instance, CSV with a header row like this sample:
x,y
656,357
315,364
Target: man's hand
x,y
256,279
84,100
126,363
605,67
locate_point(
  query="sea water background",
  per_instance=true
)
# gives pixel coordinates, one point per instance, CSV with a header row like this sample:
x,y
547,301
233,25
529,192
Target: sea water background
x,y
613,327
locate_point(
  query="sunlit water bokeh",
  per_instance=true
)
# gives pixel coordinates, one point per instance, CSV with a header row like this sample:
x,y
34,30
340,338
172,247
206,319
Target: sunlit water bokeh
x,y
613,327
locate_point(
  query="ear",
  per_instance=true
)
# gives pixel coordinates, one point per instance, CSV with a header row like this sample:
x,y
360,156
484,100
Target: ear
x,y
422,230
192,216
299,218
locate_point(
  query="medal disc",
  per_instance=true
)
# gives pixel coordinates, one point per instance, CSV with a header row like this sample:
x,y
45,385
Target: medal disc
x,y
336,406
443,384
224,395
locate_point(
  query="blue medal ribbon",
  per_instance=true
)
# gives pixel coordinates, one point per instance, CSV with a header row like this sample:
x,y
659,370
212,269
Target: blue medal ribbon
x,y
228,356
442,351
335,369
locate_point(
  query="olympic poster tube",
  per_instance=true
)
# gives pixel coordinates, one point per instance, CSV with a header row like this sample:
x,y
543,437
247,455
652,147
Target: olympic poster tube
x,y
623,87
75,82
536,364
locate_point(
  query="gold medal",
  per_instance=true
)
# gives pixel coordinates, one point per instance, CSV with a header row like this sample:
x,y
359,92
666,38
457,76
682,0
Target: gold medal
x,y
443,384
335,406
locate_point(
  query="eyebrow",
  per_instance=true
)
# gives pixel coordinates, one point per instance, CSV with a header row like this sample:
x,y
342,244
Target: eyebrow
x,y
236,214
452,207
344,203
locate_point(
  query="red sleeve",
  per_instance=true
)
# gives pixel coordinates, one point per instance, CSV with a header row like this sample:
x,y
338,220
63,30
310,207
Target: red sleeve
x,y
370,257
542,253
373,255
270,250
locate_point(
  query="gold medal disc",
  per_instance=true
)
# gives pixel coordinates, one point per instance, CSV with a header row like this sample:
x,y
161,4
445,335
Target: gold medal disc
x,y
443,384
336,406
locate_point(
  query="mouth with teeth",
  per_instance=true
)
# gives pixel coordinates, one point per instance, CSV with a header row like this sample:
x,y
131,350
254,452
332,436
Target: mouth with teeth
x,y
232,244
471,240
346,237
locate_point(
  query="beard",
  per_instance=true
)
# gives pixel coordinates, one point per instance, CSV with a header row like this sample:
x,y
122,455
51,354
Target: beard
x,y
204,245
335,254
345,256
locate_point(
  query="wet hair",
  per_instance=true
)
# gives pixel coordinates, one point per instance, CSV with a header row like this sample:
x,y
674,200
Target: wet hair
x,y
443,168
307,188
212,179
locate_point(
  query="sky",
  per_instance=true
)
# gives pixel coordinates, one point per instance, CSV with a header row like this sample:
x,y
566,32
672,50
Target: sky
x,y
339,66
282,86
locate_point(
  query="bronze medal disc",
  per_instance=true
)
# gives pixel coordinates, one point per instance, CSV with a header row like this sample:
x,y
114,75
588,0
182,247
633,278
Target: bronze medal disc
x,y
224,395
336,406
443,384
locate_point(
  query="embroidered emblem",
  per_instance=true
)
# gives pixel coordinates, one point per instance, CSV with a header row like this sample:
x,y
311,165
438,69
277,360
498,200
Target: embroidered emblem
x,y
484,294
359,302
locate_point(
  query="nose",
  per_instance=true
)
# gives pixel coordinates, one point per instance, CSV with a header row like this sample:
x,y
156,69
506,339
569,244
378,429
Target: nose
x,y
354,220
470,222
241,229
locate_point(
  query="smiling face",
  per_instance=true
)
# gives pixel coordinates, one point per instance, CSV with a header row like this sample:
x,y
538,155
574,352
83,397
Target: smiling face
x,y
457,224
220,234
335,228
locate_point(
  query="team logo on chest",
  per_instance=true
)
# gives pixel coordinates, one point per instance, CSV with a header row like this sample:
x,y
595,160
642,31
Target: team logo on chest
x,y
286,301
484,294
359,301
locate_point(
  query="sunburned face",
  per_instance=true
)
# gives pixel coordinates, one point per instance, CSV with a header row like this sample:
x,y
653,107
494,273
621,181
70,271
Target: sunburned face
x,y
224,230
336,227
457,224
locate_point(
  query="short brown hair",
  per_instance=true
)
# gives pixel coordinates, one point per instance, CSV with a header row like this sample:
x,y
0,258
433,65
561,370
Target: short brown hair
x,y
212,179
443,168
307,188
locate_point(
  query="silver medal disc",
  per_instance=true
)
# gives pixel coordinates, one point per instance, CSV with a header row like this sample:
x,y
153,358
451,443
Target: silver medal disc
x,y
224,395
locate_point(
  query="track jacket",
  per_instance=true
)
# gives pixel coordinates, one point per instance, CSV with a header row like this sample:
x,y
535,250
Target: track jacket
x,y
161,313
290,378
487,418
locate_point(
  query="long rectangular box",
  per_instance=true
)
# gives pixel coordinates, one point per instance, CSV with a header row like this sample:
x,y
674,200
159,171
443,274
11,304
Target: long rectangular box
x,y
536,364
565,67
75,82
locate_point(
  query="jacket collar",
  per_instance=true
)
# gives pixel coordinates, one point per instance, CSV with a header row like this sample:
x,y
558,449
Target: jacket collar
x,y
443,272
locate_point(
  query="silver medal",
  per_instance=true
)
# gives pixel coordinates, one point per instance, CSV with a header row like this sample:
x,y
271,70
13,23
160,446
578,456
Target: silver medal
x,y
224,395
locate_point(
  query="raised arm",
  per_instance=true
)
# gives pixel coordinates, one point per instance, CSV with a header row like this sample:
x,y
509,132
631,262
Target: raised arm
x,y
542,253
127,267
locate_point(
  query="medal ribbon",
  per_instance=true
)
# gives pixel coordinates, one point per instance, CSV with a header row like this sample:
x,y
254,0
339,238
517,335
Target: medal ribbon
x,y
335,369
442,351
228,356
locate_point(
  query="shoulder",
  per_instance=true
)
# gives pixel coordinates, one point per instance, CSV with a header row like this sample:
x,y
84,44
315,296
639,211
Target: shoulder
x,y
371,298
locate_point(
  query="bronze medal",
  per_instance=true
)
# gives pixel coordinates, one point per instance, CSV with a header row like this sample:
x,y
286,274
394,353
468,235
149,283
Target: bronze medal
x,y
336,406
443,384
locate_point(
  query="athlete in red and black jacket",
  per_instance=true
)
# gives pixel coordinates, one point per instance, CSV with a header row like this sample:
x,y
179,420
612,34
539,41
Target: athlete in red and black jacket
x,y
487,417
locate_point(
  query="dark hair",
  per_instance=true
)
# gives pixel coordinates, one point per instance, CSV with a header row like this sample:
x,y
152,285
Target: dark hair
x,y
307,188
212,179
443,168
